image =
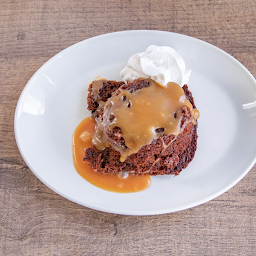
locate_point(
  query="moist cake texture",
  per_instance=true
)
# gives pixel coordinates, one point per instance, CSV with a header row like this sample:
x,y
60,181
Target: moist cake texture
x,y
167,154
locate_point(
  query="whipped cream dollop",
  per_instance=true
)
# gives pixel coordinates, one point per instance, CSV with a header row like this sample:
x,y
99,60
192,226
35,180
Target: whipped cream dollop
x,y
162,64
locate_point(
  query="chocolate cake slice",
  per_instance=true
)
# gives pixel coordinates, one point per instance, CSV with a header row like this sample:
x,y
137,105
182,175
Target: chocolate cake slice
x,y
165,154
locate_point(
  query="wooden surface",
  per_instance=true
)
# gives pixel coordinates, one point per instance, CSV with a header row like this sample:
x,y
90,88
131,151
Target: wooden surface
x,y
36,221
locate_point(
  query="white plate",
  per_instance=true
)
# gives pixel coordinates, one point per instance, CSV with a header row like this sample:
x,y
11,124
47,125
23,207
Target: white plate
x,y
54,102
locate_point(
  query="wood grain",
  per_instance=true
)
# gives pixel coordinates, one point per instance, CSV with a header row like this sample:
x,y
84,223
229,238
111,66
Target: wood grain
x,y
36,221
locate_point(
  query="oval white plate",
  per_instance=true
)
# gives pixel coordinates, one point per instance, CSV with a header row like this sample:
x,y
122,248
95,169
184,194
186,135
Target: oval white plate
x,y
54,102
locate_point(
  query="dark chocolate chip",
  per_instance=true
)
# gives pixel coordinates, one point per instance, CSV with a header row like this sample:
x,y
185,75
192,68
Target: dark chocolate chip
x,y
158,130
111,118
175,115
123,98
128,104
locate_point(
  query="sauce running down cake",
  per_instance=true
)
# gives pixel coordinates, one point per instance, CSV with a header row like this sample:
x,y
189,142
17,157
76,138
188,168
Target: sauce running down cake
x,y
142,127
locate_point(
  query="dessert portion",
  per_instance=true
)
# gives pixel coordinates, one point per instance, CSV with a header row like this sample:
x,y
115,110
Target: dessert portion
x,y
147,123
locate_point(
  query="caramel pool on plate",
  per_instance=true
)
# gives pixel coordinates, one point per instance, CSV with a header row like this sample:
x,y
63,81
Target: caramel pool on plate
x,y
111,182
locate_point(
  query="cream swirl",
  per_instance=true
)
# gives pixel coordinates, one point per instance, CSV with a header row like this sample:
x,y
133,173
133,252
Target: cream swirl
x,y
162,64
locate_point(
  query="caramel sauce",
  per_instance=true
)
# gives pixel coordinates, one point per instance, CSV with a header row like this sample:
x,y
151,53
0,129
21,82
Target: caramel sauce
x,y
82,139
146,114
97,85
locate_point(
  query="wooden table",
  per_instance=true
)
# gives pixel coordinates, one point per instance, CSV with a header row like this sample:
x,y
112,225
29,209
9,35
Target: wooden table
x,y
36,221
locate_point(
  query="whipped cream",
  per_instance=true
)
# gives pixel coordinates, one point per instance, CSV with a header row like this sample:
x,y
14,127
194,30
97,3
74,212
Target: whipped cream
x,y
161,64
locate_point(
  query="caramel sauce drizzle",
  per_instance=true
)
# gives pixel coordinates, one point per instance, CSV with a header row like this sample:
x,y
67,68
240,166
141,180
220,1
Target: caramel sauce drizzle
x,y
121,182
148,113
